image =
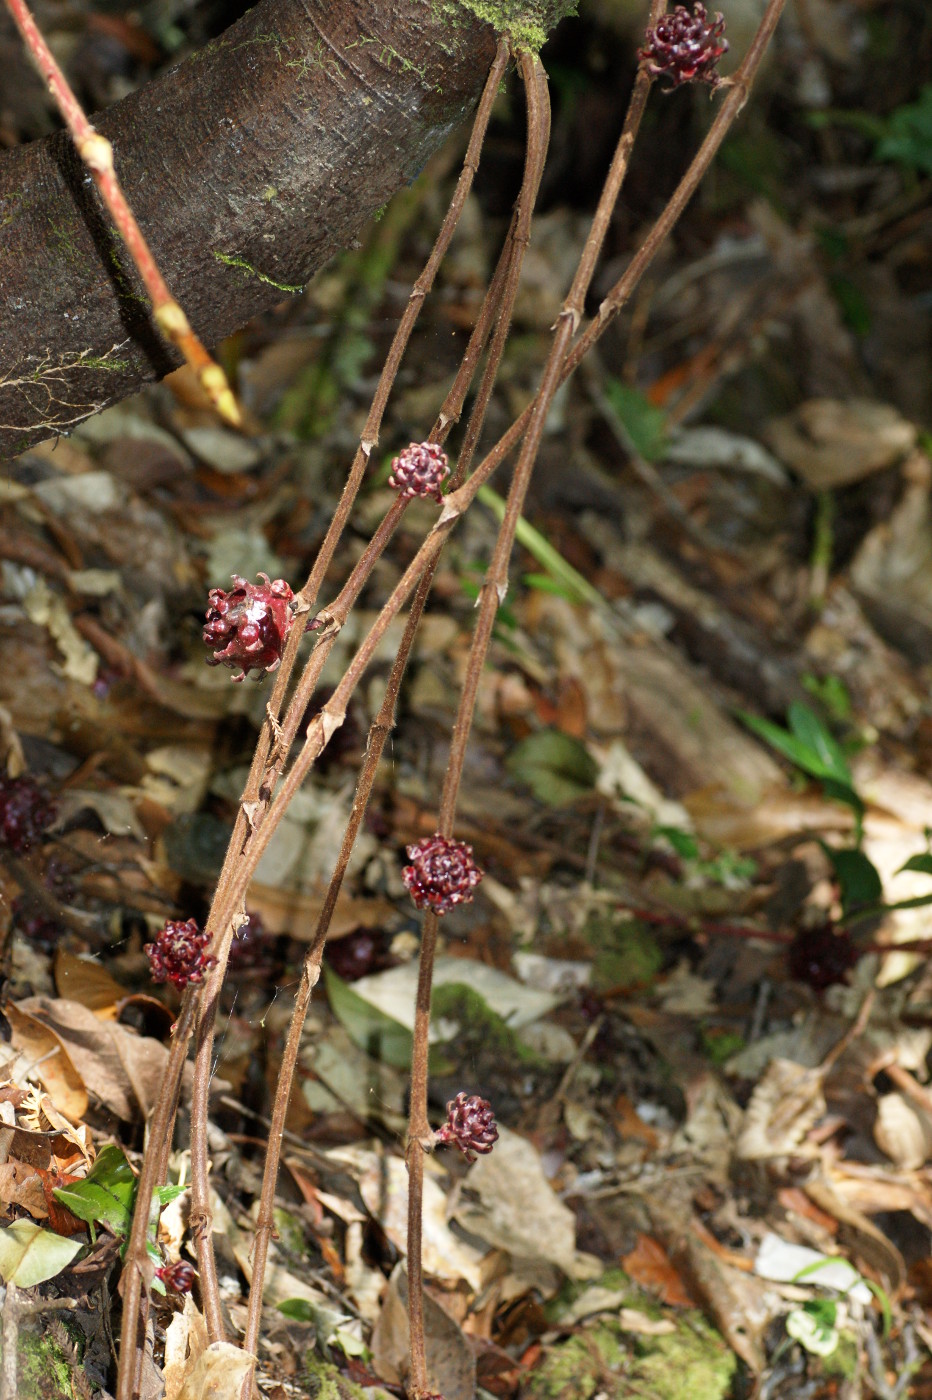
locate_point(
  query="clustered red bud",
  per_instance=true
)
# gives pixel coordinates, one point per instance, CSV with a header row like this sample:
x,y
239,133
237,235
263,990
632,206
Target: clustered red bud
x,y
419,470
178,956
25,813
177,1277
247,627
442,873
822,956
685,47
470,1126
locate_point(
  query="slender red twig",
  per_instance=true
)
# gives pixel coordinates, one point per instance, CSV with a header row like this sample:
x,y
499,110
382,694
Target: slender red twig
x,y
97,153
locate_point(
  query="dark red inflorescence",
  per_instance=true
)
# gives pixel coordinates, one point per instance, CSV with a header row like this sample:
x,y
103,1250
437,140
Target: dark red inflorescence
x,y
685,47
247,626
178,955
442,873
178,1277
821,956
470,1126
25,813
420,470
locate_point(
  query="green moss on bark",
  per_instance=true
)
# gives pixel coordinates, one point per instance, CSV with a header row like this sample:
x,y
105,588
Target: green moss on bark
x,y
527,23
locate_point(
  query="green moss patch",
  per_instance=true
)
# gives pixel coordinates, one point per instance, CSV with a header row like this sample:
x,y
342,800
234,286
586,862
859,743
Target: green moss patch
x,y
527,24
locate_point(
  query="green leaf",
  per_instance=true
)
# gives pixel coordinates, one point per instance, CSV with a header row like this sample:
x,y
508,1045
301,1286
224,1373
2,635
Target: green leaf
x,y
921,863
908,138
379,1035
31,1255
644,424
577,588
857,876
112,1171
106,1194
543,583
809,730
683,842
556,767
95,1205
841,792
920,901
811,1331
298,1308
812,748
167,1194
781,740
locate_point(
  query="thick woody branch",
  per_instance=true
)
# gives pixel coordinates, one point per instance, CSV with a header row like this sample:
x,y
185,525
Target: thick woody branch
x,y
247,167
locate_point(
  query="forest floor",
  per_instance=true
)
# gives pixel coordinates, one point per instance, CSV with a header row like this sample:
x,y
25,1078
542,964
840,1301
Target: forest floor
x,y
698,784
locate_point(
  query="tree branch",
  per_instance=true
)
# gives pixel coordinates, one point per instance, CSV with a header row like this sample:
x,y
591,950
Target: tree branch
x,y
247,166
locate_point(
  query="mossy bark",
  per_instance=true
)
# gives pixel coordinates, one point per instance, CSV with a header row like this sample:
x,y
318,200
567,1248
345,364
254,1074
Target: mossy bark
x,y
265,153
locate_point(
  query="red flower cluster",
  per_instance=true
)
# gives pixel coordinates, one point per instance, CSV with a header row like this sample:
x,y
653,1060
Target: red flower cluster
x,y
25,813
178,1277
470,1126
247,626
442,873
420,470
685,47
822,956
178,956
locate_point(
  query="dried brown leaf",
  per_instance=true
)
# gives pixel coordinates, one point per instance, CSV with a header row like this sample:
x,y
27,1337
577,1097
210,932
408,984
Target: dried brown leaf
x,y
52,1064
121,1069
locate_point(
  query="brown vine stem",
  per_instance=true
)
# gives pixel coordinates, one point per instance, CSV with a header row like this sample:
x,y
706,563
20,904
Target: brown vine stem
x,y
333,713
275,739
499,300
255,798
209,1001
97,153
324,725
491,596
136,1265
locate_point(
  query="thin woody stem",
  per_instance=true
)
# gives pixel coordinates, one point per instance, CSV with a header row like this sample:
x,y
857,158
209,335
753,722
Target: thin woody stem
x,y
134,1283
310,973
499,300
491,596
200,1166
333,714
735,96
97,153
275,740
254,800
538,121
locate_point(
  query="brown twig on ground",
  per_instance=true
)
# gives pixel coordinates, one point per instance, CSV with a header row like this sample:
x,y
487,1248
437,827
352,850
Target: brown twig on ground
x,y
97,153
